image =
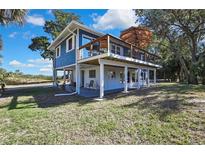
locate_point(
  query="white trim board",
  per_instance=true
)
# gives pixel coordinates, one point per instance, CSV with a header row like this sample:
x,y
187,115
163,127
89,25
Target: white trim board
x,y
73,43
93,58
123,64
59,47
65,66
134,60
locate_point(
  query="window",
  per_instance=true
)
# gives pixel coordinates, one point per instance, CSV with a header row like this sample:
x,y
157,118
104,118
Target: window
x,y
111,74
58,51
70,44
118,50
113,48
121,77
92,73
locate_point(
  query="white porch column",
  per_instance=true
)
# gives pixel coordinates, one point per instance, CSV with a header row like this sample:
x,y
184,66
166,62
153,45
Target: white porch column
x,y
135,75
64,75
77,76
139,78
148,82
130,78
125,74
101,80
108,45
154,76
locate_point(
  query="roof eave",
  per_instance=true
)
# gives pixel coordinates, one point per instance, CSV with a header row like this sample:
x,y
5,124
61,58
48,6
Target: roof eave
x,y
67,27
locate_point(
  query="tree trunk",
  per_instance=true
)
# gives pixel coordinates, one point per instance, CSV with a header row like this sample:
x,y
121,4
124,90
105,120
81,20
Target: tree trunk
x,y
192,77
183,65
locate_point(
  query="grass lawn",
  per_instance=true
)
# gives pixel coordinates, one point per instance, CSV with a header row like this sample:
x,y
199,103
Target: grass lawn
x,y
166,114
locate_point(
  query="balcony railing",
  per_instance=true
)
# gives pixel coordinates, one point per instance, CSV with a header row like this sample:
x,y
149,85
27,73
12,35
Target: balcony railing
x,y
94,48
113,45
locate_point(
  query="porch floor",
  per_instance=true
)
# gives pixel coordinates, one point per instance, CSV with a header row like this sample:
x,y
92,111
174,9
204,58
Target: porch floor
x,y
92,93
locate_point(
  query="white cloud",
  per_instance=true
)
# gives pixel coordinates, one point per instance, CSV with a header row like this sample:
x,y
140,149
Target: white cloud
x,y
40,61
13,34
16,63
113,19
28,35
43,66
45,70
35,20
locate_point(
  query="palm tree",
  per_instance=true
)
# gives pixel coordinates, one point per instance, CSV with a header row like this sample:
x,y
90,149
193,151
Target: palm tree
x,y
8,16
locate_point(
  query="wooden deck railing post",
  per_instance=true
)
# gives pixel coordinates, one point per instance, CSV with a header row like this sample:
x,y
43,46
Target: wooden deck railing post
x,y
108,45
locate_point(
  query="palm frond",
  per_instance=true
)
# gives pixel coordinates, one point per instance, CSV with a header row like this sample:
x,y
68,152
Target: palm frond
x,y
8,16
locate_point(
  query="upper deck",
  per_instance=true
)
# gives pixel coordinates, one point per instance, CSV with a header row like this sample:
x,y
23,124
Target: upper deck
x,y
109,46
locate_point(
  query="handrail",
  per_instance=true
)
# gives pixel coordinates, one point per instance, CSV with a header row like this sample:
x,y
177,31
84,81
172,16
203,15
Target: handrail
x,y
131,46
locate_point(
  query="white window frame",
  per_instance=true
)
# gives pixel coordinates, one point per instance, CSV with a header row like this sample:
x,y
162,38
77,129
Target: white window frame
x,y
59,47
67,44
113,45
89,74
117,46
120,50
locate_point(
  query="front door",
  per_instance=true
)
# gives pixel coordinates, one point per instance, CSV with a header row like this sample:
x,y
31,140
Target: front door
x,y
82,78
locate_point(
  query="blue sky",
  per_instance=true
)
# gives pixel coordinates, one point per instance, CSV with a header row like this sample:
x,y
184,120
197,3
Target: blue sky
x,y
16,39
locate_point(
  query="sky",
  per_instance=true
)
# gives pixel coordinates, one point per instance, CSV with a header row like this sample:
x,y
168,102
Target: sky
x,y
16,39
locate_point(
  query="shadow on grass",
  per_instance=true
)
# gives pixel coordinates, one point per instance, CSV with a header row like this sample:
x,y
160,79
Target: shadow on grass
x,y
44,98
170,102
39,97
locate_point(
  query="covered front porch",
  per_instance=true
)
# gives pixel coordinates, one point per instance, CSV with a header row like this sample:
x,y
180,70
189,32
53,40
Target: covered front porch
x,y
129,76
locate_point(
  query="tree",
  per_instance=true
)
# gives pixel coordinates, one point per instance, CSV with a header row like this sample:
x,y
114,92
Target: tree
x,y
62,19
182,29
9,16
41,44
53,29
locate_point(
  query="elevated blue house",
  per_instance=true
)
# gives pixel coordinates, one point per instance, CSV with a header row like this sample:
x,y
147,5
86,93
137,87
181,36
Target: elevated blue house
x,y
101,61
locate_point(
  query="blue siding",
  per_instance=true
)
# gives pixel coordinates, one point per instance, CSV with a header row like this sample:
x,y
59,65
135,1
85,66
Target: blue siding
x,y
66,58
70,57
